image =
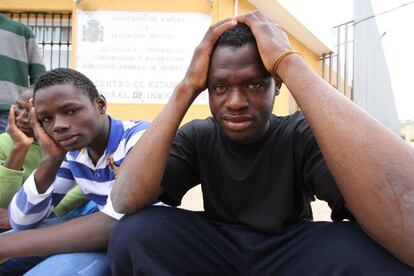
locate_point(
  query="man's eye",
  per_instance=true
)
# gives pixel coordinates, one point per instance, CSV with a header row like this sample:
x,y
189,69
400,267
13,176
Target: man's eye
x,y
254,86
45,119
71,111
220,88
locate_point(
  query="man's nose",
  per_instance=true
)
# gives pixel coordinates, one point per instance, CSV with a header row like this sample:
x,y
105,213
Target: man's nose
x,y
236,99
60,124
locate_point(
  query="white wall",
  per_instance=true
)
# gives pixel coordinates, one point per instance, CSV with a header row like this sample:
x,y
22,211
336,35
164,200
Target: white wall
x,y
372,84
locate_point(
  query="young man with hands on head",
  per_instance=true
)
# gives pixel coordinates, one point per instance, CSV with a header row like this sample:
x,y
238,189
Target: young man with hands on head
x,y
81,145
259,173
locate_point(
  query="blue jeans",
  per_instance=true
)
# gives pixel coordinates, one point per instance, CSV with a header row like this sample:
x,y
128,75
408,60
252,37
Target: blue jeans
x,y
4,116
86,263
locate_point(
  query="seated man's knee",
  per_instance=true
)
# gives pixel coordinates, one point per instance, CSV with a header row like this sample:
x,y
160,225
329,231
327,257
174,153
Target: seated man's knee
x,y
126,229
133,237
346,245
137,228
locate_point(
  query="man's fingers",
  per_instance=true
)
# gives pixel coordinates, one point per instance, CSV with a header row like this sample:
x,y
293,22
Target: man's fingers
x,y
247,18
256,20
223,21
271,40
33,118
212,36
218,29
12,115
36,126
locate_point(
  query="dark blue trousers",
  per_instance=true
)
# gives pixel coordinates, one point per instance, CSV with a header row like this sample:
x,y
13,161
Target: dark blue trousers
x,y
172,241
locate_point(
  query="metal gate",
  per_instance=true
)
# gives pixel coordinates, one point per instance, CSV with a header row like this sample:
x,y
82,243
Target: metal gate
x,y
53,32
337,66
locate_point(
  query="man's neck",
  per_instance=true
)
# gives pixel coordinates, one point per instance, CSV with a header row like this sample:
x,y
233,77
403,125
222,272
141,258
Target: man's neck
x,y
99,144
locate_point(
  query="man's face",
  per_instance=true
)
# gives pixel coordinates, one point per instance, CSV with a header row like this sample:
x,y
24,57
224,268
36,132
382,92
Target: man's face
x,y
22,112
241,92
69,116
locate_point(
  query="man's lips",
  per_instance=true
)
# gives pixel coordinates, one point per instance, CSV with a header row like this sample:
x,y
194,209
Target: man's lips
x,y
67,140
236,122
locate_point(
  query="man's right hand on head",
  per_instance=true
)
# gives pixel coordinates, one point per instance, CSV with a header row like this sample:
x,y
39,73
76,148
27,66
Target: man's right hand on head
x,y
196,77
49,147
271,40
19,138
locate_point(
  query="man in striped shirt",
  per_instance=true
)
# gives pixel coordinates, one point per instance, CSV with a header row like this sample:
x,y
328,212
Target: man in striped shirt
x,y
81,145
21,63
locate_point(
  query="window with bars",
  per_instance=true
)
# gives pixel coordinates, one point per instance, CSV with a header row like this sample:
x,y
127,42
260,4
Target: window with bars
x,y
53,32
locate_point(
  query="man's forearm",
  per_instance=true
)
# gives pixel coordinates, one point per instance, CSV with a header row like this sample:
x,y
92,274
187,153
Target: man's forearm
x,y
88,233
141,172
46,172
372,166
15,160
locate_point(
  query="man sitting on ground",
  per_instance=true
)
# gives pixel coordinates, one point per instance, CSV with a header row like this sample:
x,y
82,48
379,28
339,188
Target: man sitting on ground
x,y
81,145
20,155
259,173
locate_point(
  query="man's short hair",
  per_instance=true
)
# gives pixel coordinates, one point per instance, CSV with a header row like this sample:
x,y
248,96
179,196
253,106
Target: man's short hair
x,y
67,76
236,36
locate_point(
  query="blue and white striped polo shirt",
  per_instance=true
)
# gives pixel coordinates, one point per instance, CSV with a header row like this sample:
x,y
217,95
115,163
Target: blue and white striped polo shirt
x,y
28,207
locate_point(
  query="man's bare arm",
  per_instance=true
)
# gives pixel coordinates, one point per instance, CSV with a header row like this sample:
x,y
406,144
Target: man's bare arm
x,y
373,167
87,233
134,188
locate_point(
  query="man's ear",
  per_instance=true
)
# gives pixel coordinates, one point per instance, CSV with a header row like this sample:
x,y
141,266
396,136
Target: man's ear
x,y
101,104
278,85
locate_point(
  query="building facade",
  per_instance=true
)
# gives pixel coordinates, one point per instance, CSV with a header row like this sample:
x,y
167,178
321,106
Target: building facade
x,y
60,29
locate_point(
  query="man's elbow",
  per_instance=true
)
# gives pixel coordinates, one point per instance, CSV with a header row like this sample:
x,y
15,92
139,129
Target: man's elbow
x,y
119,205
127,203
406,257
122,207
123,204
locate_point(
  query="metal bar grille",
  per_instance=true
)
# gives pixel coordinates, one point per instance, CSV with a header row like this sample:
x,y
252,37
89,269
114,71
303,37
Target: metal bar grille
x,y
52,32
337,66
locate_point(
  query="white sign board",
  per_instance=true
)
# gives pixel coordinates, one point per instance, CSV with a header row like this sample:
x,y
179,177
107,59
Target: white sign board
x,y
138,57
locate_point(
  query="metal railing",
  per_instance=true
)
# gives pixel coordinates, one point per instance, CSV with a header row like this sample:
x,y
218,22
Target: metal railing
x,y
337,66
53,32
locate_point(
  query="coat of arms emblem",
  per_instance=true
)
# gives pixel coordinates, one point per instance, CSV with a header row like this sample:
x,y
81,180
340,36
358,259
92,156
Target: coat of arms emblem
x,y
93,31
